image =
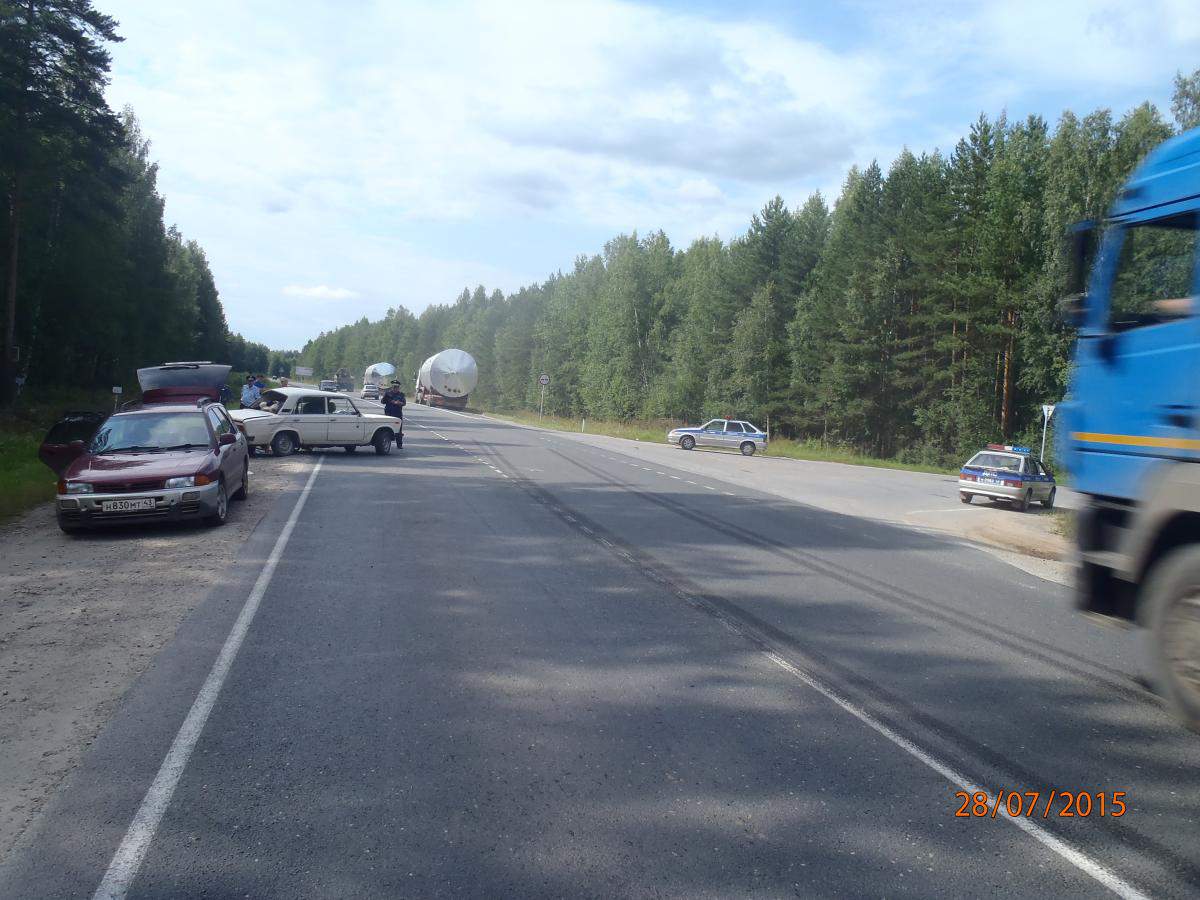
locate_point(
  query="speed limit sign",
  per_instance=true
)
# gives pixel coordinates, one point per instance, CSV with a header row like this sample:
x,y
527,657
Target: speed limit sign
x,y
543,379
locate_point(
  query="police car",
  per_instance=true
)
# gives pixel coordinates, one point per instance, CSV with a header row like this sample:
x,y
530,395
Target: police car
x,y
732,434
1005,472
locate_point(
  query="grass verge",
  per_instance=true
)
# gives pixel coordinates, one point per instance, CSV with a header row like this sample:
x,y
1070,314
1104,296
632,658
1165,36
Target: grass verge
x,y
655,430
24,480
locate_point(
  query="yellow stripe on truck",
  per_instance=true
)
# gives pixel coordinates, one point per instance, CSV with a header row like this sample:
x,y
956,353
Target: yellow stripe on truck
x,y
1136,440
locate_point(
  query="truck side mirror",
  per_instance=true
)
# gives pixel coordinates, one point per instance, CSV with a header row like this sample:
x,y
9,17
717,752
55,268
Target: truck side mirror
x,y
1080,244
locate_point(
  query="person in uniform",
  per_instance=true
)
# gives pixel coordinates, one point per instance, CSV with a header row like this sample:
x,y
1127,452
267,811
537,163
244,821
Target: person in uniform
x,y
393,405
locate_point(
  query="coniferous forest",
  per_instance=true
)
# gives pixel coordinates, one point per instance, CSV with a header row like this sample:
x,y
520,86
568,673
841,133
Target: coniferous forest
x,y
915,317
94,283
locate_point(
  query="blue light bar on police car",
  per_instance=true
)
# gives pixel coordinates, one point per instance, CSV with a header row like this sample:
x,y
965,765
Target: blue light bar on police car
x,y
1009,448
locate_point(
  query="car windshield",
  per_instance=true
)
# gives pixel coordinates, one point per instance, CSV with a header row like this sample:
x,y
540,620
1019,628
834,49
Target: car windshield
x,y
151,431
996,461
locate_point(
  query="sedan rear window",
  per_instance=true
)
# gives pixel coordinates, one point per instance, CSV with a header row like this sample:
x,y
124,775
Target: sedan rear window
x,y
996,461
151,431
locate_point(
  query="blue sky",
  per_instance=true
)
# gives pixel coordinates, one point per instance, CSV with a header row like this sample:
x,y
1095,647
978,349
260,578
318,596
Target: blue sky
x,y
337,159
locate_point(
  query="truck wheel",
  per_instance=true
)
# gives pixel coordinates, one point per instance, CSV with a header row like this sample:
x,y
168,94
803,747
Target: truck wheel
x,y
687,442
747,448
283,444
965,497
383,443
1049,501
1172,620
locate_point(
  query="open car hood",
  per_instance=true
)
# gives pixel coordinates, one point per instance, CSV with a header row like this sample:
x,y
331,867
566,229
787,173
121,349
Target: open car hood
x,y
182,381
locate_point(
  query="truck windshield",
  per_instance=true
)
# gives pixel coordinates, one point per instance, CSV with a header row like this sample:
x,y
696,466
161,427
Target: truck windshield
x,y
1155,273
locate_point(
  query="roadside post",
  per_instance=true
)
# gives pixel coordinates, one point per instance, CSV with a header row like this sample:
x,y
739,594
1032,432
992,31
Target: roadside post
x,y
1047,412
543,380
117,392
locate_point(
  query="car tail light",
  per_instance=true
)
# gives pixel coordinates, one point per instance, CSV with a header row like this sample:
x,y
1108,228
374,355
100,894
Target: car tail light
x,y
203,479
1008,483
967,476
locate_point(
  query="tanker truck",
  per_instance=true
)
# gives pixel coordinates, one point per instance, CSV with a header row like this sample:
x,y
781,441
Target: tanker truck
x,y
374,378
446,379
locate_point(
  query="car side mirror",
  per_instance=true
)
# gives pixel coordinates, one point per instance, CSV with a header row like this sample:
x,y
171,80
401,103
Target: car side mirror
x,y
226,439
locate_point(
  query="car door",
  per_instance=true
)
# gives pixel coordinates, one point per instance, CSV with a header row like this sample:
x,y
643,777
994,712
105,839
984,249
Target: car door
x,y
310,418
227,456
712,434
733,435
345,422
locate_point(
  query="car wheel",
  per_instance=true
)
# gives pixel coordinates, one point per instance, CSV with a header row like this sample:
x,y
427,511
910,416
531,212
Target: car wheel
x,y
687,442
965,497
382,443
747,448
1022,504
350,448
284,444
69,529
1173,629
222,513
243,490
1049,501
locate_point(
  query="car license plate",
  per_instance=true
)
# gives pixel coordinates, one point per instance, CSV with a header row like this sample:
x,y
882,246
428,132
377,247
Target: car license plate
x,y
986,480
127,505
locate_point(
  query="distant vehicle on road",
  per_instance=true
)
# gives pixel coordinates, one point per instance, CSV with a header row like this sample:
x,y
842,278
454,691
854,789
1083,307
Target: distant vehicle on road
x,y
1005,472
327,384
308,418
176,455
446,379
343,381
374,378
730,434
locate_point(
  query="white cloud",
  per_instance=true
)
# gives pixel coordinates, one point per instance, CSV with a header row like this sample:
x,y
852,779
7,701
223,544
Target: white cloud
x,y
410,149
319,292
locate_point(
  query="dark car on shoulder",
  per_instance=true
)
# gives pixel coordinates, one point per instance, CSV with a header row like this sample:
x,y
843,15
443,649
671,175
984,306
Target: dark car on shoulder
x,y
174,456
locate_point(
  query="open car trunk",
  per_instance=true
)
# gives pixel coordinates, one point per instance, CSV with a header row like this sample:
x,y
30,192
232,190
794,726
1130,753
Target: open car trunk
x,y
68,437
183,381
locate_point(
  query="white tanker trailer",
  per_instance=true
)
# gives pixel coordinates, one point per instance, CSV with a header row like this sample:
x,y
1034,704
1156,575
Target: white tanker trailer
x,y
374,378
446,379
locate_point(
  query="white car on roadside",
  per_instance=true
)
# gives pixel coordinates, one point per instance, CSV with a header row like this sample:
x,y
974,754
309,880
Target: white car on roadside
x,y
303,417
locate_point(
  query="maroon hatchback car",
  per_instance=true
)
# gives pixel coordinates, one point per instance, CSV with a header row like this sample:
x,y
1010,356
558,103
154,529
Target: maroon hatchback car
x,y
176,455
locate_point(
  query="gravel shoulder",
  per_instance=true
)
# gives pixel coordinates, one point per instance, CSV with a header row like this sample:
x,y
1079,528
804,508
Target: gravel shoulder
x,y
82,617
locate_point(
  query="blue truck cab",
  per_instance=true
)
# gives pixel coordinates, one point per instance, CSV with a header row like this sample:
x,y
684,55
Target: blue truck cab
x,y
1129,432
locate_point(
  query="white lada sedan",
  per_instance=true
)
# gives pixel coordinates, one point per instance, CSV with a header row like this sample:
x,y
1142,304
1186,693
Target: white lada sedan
x,y
303,417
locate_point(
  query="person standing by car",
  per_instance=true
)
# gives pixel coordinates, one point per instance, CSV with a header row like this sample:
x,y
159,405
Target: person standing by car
x,y
250,393
393,405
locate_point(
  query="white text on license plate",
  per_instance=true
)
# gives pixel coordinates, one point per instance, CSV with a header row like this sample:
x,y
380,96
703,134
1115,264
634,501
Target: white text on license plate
x,y
127,505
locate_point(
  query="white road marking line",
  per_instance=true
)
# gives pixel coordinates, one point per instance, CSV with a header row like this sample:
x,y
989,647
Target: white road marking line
x,y
676,477
693,484
727,494
1079,860
659,473
709,487
129,856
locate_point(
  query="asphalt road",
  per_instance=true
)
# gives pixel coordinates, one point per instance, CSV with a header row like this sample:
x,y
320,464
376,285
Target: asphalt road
x,y
504,663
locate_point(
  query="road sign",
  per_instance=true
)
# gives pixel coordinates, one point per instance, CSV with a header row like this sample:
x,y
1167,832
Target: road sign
x,y
117,389
303,371
1047,412
543,379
